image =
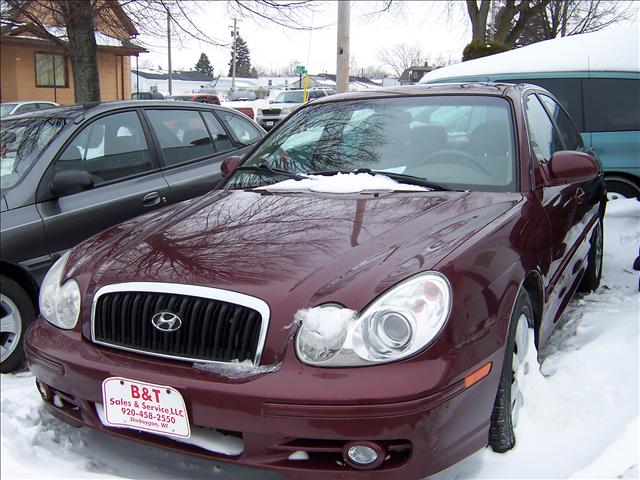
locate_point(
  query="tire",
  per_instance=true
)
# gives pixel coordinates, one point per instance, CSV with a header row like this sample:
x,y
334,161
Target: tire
x,y
619,187
504,416
591,279
16,314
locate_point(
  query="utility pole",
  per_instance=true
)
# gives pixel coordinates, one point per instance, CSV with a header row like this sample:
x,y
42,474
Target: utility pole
x,y
342,70
234,34
169,47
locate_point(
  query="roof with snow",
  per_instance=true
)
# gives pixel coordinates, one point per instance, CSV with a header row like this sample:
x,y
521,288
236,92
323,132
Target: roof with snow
x,y
189,75
607,50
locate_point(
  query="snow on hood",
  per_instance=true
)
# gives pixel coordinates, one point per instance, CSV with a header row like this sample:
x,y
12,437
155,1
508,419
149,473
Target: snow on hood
x,y
342,183
586,52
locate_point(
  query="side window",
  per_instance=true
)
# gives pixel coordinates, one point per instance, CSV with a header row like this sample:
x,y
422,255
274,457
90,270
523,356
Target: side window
x,y
614,104
221,139
29,107
242,128
102,150
544,139
182,135
568,91
570,136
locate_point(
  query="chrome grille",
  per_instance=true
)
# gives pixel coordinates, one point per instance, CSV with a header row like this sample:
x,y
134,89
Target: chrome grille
x,y
216,325
271,111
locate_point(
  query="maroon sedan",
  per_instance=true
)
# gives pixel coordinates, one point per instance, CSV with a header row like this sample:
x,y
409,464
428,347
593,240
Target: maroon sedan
x,y
360,298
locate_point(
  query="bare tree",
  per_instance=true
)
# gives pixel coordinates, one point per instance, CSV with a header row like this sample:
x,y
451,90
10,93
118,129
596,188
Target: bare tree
x,y
496,26
570,17
80,19
401,56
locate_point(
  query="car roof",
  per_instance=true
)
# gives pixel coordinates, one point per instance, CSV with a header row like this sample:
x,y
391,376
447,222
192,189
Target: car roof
x,y
78,110
469,88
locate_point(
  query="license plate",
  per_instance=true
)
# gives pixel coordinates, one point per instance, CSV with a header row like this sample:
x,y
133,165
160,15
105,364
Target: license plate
x,y
144,406
268,124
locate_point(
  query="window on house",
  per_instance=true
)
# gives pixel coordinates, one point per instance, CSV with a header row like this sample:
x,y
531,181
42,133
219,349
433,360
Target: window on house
x,y
51,70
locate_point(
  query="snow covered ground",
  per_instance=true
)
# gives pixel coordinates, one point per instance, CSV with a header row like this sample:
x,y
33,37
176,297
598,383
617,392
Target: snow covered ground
x,y
580,419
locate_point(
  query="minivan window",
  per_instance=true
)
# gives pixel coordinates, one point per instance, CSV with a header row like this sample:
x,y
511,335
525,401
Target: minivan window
x,y
111,148
21,143
570,136
182,135
614,103
221,140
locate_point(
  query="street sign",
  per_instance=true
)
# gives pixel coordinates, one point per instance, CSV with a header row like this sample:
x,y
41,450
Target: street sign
x,y
300,70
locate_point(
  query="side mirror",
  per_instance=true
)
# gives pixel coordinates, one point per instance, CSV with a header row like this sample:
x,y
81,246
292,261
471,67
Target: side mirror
x,y
573,166
229,164
68,182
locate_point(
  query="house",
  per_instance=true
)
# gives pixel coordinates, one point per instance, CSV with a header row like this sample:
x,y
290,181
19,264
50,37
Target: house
x,y
34,67
412,75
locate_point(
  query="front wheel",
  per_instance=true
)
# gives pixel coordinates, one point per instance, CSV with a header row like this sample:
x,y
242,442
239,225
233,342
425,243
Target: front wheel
x,y
16,314
515,368
593,273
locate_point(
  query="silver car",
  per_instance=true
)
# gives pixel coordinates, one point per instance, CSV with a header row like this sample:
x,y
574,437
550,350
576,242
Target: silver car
x,y
285,103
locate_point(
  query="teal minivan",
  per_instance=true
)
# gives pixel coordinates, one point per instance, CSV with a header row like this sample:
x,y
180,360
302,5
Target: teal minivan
x,y
595,76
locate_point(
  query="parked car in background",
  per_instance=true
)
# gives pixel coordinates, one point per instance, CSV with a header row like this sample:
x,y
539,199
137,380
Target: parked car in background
x,y
241,95
600,90
196,97
285,103
362,298
69,172
147,96
17,108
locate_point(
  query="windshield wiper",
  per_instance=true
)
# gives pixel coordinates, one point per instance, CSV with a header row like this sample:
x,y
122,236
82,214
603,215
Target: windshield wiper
x,y
264,168
400,177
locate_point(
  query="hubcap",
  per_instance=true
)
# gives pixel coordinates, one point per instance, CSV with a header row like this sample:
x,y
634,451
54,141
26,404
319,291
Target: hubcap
x,y
519,365
10,327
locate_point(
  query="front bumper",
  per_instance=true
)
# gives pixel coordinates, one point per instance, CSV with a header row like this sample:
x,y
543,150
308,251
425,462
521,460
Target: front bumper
x,y
276,414
269,121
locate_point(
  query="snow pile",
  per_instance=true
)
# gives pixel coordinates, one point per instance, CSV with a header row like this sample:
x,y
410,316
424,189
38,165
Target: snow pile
x,y
586,52
323,329
342,183
237,370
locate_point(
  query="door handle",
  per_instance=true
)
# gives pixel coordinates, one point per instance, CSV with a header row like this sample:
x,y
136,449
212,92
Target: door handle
x,y
579,196
151,199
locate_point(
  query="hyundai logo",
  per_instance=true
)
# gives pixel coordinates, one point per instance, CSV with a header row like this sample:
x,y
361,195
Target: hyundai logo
x,y
166,321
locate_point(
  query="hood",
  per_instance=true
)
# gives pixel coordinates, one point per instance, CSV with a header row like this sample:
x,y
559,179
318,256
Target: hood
x,y
290,250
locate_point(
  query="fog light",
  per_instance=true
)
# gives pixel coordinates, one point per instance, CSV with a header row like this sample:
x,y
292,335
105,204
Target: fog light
x,y
44,390
362,454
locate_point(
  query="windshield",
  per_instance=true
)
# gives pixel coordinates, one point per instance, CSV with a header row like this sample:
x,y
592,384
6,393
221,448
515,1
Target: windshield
x,y
5,108
463,142
294,96
21,143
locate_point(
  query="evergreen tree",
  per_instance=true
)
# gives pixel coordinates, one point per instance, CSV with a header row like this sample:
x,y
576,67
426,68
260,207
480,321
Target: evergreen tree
x,y
243,60
203,65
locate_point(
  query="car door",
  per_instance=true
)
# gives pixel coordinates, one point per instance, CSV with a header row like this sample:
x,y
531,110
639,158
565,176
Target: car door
x,y
192,145
126,181
564,203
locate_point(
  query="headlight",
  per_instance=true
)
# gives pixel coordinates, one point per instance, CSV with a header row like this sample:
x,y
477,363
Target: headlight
x,y
259,111
286,111
60,304
398,324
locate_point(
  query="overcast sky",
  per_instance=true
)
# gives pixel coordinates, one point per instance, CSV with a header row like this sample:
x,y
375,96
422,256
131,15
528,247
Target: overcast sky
x,y
426,23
